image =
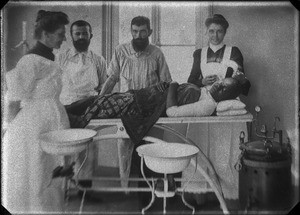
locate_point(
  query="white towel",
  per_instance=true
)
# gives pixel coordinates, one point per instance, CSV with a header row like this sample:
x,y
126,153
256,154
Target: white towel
x,y
233,104
232,112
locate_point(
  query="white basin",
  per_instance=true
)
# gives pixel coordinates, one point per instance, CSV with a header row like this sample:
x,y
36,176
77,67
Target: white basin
x,y
167,157
66,141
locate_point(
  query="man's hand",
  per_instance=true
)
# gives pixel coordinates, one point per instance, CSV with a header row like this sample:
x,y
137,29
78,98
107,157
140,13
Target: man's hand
x,y
98,89
162,86
174,84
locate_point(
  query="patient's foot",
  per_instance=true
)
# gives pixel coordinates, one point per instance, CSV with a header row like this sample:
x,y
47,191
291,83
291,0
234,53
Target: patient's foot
x,y
171,183
159,185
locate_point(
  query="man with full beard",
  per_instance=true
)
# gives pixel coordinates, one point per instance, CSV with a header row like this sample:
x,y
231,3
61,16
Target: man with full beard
x,y
84,73
135,65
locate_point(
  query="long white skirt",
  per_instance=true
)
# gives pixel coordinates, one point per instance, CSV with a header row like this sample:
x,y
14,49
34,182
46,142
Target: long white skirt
x,y
27,170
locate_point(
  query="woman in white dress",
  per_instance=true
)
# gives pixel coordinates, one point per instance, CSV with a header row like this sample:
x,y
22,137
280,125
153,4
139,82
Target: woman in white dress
x,y
33,89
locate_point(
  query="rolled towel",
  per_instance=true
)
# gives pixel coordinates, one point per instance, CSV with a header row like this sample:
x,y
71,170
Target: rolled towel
x,y
233,104
232,112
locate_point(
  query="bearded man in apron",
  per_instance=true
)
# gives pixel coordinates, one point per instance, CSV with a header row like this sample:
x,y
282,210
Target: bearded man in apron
x,y
84,73
212,63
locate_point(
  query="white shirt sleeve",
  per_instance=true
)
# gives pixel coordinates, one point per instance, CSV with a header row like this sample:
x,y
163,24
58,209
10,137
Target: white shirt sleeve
x,y
204,107
101,69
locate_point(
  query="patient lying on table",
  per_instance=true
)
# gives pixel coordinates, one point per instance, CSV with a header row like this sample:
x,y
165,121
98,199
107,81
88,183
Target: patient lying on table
x,y
140,109
227,89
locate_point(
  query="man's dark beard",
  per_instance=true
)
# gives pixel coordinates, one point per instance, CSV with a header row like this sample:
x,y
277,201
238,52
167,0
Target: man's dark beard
x,y
81,45
140,44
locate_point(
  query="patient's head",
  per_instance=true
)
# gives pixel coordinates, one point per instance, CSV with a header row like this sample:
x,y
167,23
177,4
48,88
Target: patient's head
x,y
228,88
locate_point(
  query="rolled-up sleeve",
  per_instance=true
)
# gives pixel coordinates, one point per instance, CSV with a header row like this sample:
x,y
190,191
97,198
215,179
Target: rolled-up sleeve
x,y
164,72
101,70
113,70
20,80
195,76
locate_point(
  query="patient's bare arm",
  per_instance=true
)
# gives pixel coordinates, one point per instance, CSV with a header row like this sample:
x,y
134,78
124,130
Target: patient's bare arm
x,y
108,86
172,95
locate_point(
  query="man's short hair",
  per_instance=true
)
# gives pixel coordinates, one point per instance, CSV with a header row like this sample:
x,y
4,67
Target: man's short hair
x,y
234,90
141,20
80,23
244,83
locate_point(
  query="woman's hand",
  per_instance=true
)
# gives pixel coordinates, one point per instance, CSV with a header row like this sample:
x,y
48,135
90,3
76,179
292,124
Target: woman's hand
x,y
209,80
237,74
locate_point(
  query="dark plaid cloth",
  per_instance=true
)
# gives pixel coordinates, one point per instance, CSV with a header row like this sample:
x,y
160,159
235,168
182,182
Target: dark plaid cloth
x,y
104,107
148,106
79,107
139,110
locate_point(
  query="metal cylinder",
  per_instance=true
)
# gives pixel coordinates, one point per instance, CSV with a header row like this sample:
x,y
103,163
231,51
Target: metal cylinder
x,y
265,185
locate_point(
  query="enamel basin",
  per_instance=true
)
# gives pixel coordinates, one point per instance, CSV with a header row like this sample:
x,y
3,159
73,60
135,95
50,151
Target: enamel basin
x,y
66,141
167,157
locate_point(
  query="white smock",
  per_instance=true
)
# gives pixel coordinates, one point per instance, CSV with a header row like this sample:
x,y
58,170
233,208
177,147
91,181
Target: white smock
x,y
220,141
79,80
27,169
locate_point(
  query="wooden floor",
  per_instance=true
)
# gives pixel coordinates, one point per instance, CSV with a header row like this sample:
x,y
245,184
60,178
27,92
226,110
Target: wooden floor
x,y
134,202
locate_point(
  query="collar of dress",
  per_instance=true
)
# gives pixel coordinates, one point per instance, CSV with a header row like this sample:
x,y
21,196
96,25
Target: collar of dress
x,y
216,47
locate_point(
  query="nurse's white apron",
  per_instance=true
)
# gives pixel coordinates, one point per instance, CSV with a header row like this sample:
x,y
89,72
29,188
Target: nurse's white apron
x,y
214,68
219,141
80,80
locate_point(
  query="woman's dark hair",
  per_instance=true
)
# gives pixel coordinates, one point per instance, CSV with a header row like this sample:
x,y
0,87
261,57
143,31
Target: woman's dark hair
x,y
217,19
141,20
49,21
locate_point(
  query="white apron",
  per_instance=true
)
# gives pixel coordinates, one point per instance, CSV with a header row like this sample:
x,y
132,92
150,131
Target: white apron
x,y
80,80
214,68
219,141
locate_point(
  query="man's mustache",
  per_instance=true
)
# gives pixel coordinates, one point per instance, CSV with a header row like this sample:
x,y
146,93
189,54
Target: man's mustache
x,y
81,41
139,40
